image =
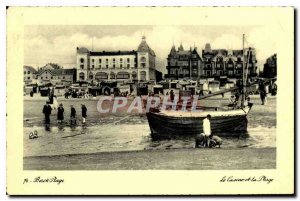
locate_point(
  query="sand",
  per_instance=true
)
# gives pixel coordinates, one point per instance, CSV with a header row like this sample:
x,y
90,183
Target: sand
x,y
173,159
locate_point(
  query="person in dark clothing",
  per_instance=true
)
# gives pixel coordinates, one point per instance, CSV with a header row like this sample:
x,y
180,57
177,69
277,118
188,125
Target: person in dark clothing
x,y
47,111
73,115
83,112
60,114
172,95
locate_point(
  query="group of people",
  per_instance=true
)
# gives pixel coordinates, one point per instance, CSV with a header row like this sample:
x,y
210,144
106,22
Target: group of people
x,y
47,110
77,94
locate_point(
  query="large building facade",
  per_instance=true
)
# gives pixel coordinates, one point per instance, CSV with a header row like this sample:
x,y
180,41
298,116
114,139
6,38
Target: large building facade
x,y
117,65
52,75
270,67
187,64
184,64
30,74
222,62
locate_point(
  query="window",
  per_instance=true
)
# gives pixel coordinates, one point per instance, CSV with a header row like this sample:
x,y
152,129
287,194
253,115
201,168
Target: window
x,y
101,76
51,77
121,65
93,66
99,66
128,65
186,72
24,72
81,76
81,60
114,65
128,60
28,78
121,60
106,60
28,72
93,60
114,60
123,75
63,77
41,77
46,72
81,66
100,60
46,77
143,75
195,72
106,65
143,59
208,65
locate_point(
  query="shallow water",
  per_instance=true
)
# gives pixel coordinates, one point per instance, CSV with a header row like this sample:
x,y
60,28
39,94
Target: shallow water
x,y
124,137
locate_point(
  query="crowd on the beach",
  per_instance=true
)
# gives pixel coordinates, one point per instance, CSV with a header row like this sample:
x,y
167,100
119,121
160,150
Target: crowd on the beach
x,y
51,104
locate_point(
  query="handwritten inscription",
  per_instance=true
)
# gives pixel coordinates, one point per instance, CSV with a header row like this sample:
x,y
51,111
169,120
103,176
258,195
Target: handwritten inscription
x,y
44,180
247,179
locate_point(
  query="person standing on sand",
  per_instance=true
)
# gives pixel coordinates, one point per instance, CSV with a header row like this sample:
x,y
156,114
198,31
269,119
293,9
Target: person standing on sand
x,y
207,130
83,113
172,95
60,113
73,115
47,111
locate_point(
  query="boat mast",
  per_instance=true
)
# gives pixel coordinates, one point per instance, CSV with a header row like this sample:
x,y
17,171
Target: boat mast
x,y
243,78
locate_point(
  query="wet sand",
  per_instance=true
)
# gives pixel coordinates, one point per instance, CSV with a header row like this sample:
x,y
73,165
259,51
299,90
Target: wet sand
x,y
173,159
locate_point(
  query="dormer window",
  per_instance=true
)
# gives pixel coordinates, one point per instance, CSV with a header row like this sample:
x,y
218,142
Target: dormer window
x,y
81,60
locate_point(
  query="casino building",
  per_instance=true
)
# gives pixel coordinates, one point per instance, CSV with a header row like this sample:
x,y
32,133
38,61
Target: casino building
x,y
121,66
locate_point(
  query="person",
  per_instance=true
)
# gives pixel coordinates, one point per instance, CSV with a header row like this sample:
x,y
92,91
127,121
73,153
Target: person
x,y
60,113
73,115
55,103
47,111
232,102
83,113
263,96
172,95
207,129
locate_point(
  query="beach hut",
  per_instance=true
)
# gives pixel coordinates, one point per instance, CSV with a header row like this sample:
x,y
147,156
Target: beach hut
x,y
213,86
59,90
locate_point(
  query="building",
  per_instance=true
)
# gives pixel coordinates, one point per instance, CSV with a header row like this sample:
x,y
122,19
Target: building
x,y
30,75
270,67
116,65
222,62
51,74
184,64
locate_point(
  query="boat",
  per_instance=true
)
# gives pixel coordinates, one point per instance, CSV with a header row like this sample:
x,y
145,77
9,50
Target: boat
x,y
177,123
173,123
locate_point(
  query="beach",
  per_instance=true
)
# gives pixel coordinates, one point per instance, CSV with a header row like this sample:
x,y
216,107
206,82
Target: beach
x,y
175,159
122,141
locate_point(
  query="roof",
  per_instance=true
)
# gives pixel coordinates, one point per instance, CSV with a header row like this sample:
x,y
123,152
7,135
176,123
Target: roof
x,y
30,68
82,50
144,47
58,71
110,53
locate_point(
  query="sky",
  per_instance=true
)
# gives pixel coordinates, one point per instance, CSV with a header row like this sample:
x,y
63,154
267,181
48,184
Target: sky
x,y
57,44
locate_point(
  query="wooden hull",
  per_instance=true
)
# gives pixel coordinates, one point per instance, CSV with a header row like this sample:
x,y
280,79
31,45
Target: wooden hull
x,y
225,123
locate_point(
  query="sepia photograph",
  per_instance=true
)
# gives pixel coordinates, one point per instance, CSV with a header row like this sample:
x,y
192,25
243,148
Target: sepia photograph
x,y
138,98
115,93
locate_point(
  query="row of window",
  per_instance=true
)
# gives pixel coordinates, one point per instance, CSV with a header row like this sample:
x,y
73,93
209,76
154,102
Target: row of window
x,y
100,60
52,77
120,75
28,72
113,66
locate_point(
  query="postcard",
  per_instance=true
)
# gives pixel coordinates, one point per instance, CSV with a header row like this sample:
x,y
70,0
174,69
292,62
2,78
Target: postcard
x,y
150,100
